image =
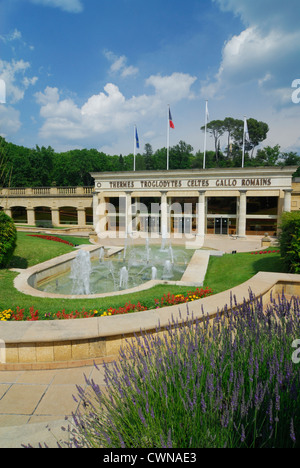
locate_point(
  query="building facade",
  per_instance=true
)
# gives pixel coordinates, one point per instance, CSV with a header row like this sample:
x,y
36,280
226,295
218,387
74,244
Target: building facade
x,y
232,201
236,202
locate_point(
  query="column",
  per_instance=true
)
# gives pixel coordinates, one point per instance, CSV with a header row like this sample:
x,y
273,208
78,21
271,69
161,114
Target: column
x,y
100,214
128,215
81,217
30,216
287,207
201,214
8,212
55,216
242,214
96,218
164,214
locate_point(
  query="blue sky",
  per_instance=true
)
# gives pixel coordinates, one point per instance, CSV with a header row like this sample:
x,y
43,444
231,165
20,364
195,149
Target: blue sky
x,y
82,73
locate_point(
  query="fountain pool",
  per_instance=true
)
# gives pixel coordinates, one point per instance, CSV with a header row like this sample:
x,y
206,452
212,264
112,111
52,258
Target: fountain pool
x,y
131,267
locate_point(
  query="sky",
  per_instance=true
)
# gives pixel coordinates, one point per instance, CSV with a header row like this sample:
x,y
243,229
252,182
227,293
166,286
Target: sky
x,y
83,73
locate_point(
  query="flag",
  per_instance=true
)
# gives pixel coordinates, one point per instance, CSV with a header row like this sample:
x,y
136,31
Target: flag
x,y
137,138
246,132
171,120
206,113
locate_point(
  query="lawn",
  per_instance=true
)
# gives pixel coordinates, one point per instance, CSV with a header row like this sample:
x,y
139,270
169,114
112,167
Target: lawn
x,y
33,250
233,269
223,273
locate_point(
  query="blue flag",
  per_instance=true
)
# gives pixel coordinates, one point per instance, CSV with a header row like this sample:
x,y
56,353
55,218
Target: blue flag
x,y
137,139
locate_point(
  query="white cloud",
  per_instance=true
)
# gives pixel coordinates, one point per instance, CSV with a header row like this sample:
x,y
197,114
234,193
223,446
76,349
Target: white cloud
x,y
174,87
267,14
70,6
266,52
119,65
9,120
109,112
15,35
13,74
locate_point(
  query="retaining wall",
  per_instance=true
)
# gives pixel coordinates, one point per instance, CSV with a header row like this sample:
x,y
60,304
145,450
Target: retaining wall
x,y
70,343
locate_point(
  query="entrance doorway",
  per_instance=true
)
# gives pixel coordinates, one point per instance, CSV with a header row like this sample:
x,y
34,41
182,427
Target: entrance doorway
x,y
221,226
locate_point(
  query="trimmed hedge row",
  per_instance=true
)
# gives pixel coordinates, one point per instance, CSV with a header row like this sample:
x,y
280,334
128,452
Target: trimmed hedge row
x,y
8,239
290,241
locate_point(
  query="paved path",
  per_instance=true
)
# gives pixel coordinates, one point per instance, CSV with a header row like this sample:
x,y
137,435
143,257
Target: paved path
x,y
32,400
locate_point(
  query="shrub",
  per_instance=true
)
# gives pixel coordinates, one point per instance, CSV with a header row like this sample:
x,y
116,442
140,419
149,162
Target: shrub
x,y
227,383
8,239
290,241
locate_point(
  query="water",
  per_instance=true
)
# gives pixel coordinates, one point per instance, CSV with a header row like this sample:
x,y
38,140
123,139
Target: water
x,y
168,270
128,269
80,273
124,278
154,273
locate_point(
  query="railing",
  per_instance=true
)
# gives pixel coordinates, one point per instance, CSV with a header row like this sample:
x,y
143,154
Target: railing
x,y
45,191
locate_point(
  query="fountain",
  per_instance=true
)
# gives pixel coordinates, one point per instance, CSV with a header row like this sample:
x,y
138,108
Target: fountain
x,y
168,270
154,273
148,251
164,235
123,278
129,268
80,273
101,255
171,254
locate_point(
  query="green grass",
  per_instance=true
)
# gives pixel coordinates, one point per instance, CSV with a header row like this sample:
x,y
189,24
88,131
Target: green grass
x,y
223,273
231,270
33,250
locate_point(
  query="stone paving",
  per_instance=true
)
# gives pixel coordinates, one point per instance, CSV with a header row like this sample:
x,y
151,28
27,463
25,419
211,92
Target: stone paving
x,y
32,400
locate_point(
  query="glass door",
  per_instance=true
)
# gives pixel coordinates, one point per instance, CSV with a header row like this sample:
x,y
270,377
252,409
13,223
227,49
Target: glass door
x,y
221,226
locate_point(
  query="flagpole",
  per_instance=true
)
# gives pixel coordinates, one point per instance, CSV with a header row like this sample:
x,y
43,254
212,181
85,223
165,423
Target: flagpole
x,y
134,146
168,137
205,136
244,136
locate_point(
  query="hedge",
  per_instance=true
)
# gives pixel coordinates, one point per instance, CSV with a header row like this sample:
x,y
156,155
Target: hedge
x,y
8,239
290,241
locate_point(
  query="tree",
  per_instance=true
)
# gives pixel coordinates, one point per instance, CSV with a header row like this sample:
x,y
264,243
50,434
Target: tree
x,y
41,162
230,126
197,160
290,159
258,132
216,129
159,159
121,163
148,154
268,156
8,239
180,156
20,162
5,167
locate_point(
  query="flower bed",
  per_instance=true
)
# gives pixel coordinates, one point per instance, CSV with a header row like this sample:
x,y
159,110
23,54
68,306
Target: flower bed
x,y
165,301
263,252
52,238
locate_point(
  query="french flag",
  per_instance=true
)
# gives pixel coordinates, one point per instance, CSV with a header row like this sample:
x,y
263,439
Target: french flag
x,y
171,120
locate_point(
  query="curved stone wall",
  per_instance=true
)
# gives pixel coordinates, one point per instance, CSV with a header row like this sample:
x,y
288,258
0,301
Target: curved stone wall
x,y
54,344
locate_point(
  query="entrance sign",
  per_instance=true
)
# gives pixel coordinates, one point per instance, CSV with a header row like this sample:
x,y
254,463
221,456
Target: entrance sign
x,y
245,201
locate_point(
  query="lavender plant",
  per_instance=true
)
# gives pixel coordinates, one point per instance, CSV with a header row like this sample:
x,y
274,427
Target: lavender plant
x,y
229,382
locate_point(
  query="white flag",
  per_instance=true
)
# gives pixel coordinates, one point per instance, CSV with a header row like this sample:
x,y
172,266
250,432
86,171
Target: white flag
x,y
207,113
246,132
